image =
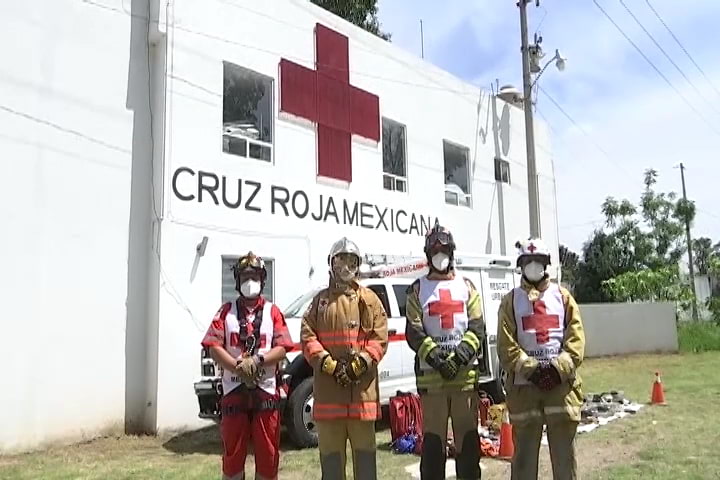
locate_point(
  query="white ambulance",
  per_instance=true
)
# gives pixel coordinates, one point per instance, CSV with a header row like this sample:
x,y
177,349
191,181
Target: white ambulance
x,y
389,277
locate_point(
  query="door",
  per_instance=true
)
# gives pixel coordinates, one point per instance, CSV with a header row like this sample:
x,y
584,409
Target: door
x,y
390,368
495,283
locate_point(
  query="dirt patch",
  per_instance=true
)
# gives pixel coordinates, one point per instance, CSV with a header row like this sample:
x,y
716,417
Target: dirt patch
x,y
610,445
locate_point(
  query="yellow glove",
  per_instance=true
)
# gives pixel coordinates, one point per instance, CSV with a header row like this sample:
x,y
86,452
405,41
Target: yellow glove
x,y
335,369
357,368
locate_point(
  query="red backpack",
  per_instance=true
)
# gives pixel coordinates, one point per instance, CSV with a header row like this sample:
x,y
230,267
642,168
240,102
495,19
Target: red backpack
x,y
406,417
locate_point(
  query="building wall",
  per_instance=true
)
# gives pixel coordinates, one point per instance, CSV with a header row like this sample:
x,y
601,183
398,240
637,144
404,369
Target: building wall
x,y
432,105
72,83
624,328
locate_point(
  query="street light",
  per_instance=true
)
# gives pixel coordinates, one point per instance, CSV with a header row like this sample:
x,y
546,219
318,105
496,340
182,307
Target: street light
x,y
558,59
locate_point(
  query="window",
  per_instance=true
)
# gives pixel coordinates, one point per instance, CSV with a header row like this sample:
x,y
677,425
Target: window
x,y
502,171
401,297
247,113
381,292
228,281
457,174
394,158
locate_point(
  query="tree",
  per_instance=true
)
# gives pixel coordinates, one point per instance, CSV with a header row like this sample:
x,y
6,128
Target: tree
x,y
362,13
636,244
702,251
569,264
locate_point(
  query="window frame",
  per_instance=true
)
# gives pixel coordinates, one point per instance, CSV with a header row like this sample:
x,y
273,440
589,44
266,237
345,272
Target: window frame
x,y
269,283
247,139
499,163
394,178
467,196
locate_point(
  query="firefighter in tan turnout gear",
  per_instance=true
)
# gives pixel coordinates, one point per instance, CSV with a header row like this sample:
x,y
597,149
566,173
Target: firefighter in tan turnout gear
x,y
445,328
344,337
541,344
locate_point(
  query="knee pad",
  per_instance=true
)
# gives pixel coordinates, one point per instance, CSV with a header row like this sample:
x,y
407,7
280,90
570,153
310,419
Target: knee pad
x,y
467,463
332,466
365,464
432,461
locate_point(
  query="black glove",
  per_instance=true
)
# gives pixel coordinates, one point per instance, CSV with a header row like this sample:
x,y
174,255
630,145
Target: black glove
x,y
464,353
436,358
449,368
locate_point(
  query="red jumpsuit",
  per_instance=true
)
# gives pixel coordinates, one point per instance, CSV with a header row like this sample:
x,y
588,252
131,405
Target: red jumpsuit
x,y
249,413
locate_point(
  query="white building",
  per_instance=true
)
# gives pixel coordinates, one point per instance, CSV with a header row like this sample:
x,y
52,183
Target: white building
x,y
276,127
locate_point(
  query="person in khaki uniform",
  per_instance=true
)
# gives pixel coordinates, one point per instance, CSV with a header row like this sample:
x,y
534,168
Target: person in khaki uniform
x,y
541,344
445,328
344,337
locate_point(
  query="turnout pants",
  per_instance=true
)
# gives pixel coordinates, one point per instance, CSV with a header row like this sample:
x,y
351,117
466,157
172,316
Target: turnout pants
x,y
332,442
462,408
250,415
530,409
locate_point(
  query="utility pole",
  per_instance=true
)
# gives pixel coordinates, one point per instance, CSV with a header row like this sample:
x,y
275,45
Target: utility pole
x,y
533,198
691,266
422,41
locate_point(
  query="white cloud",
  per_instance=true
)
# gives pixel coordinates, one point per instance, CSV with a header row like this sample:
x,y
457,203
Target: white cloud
x,y
608,88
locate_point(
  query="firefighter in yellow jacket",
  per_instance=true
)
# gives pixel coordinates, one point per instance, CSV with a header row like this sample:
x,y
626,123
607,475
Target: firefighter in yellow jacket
x,y
344,337
541,344
445,328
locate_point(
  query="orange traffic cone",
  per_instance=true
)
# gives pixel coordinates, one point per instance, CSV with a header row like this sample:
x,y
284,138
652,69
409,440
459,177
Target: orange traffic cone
x,y
507,447
658,395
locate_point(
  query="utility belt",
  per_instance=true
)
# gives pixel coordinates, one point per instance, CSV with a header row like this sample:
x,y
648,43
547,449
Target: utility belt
x,y
249,401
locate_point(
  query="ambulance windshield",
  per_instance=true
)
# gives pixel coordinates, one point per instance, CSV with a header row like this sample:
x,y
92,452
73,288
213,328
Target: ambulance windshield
x,y
299,305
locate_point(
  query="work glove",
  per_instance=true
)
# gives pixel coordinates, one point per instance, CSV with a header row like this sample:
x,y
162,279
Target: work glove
x,y
436,358
356,368
248,367
545,377
449,368
464,354
336,369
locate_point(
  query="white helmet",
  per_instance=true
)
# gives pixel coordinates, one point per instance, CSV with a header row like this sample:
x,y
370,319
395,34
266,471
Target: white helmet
x,y
533,247
344,245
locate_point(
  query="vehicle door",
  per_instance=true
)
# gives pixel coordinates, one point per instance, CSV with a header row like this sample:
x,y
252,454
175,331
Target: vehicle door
x,y
390,368
407,355
495,283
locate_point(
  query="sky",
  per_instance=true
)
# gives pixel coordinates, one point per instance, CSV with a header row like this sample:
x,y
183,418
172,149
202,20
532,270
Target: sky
x,y
623,117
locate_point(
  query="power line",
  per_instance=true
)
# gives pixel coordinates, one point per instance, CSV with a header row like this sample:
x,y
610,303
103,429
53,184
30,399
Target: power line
x,y
622,2
639,50
682,47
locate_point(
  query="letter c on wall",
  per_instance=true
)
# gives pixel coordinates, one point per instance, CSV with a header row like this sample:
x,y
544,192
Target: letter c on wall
x,y
185,198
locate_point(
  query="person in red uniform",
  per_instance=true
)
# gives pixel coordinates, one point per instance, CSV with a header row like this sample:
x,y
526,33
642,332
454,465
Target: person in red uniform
x,y
248,338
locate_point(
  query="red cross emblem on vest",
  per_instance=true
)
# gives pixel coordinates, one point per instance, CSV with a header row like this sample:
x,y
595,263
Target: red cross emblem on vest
x,y
541,322
325,97
446,308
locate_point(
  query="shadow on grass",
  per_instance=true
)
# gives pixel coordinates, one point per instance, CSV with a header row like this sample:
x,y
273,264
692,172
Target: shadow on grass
x,y
206,441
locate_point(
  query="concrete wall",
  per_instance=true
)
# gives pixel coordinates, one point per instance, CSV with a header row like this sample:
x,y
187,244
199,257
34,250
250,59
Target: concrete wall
x,y
70,138
617,329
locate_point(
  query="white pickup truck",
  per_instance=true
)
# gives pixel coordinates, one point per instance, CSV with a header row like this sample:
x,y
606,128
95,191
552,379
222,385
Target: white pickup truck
x,y
396,371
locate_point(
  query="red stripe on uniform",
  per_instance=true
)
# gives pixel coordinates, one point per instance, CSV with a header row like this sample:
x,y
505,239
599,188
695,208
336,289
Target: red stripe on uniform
x,y
398,337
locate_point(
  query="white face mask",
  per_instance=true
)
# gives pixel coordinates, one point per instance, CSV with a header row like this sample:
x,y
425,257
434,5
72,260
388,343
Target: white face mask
x,y
441,261
534,271
250,288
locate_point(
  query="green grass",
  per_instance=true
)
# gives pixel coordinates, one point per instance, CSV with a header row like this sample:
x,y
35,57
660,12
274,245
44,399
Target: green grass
x,y
660,443
675,441
699,337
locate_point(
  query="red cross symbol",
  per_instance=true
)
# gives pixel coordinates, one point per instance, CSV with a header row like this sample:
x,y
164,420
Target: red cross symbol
x,y
541,322
446,308
532,248
325,97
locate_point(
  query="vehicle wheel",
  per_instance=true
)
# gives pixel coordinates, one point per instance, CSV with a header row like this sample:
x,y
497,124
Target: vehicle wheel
x,y
496,388
300,423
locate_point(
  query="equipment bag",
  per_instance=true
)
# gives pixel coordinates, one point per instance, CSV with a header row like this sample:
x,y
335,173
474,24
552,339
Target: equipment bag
x,y
406,423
